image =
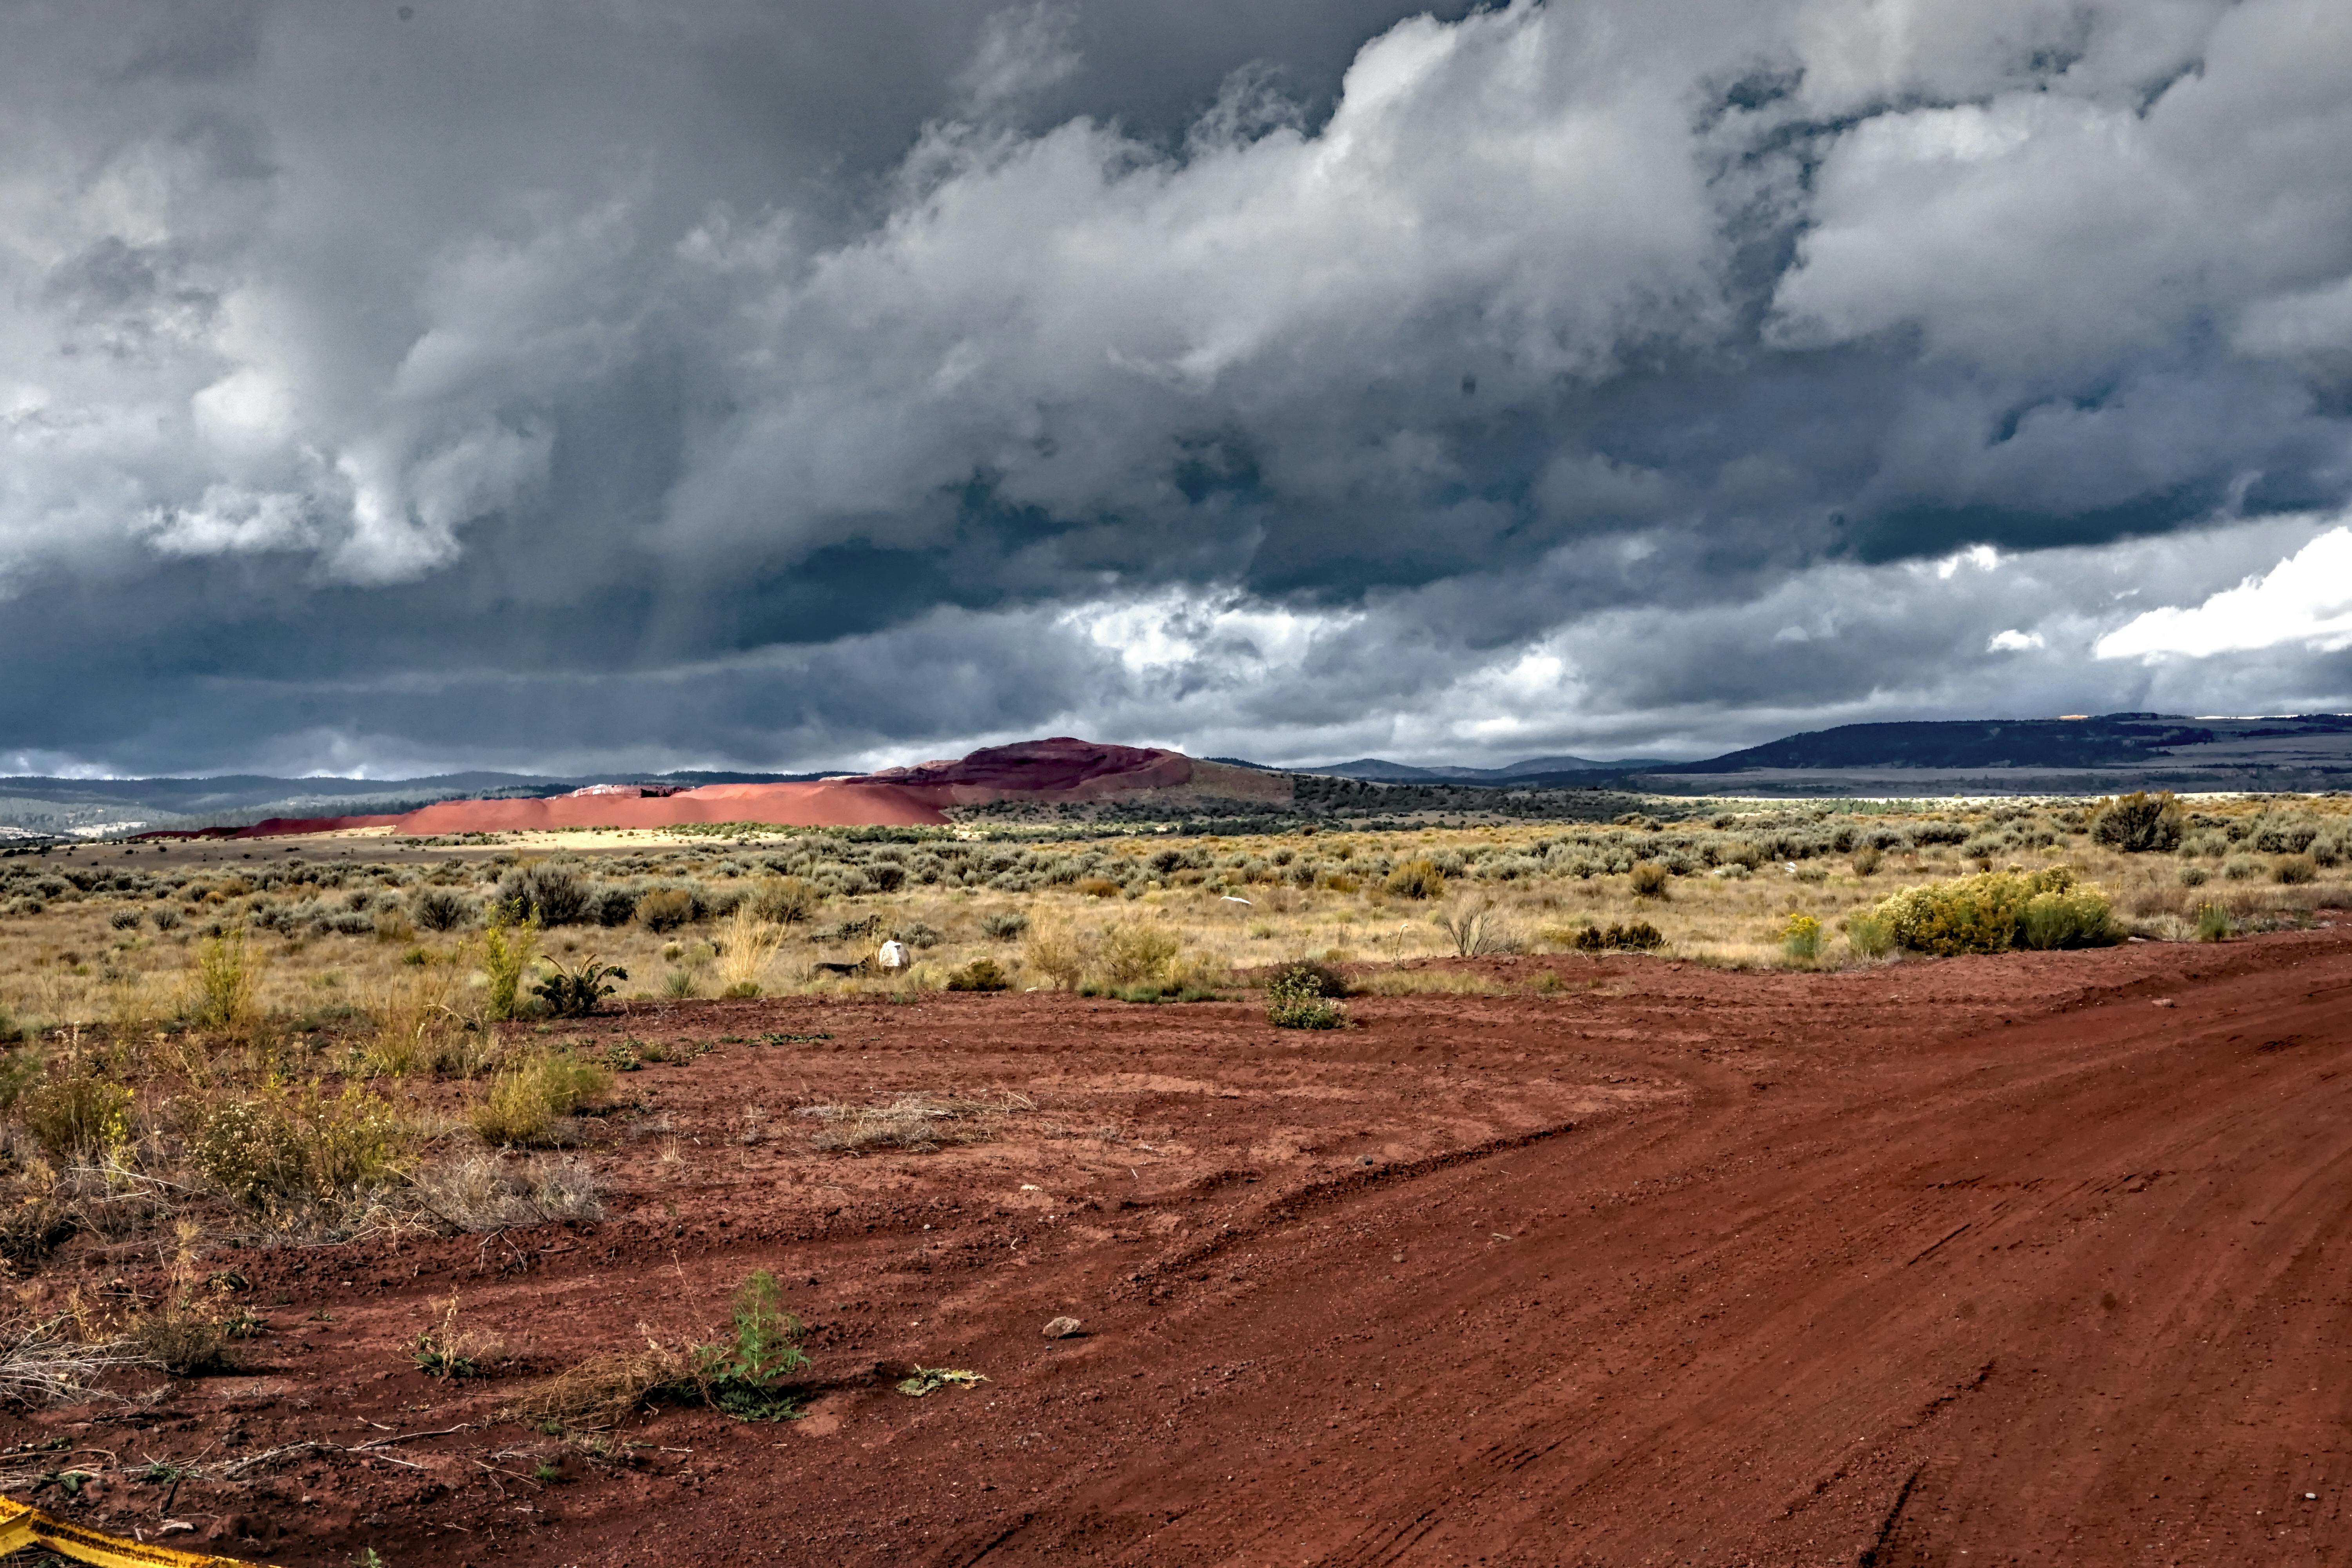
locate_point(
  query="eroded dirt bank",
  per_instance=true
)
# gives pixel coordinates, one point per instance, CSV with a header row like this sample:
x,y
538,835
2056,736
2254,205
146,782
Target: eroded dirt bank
x,y
2038,1258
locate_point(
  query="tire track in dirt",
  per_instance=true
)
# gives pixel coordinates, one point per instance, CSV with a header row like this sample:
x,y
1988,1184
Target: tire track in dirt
x,y
2108,1092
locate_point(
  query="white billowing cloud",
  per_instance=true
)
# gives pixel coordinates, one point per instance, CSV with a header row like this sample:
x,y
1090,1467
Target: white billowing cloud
x,y
2306,598
2015,641
229,520
2064,222
1224,632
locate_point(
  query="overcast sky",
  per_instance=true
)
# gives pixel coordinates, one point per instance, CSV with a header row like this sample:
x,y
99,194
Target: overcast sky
x,y
394,387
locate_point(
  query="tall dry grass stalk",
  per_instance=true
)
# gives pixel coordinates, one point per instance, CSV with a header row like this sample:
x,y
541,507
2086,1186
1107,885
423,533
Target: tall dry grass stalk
x,y
416,1020
226,978
747,946
1056,951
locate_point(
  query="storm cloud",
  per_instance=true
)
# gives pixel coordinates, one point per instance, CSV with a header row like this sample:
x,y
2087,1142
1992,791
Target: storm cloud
x,y
421,385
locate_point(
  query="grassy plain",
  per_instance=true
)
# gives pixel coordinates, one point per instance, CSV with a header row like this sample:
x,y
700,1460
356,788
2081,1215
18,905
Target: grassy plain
x,y
328,1034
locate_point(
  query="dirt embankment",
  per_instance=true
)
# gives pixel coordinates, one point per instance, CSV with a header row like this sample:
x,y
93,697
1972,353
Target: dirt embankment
x,y
2045,1259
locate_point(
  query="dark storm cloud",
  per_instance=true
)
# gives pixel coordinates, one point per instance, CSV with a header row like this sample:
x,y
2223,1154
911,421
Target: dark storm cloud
x,y
427,384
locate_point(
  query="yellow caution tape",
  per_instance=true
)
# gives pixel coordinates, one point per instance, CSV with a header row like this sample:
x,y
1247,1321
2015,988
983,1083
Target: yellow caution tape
x,y
22,1525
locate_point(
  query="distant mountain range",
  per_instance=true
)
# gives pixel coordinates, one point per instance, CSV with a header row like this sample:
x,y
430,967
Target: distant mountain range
x,y
1535,770
2092,754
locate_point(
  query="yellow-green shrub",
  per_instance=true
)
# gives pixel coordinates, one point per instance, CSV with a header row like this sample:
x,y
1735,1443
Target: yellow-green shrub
x,y
225,982
77,1116
506,954
2079,918
283,1142
1988,912
1416,879
521,1105
1137,953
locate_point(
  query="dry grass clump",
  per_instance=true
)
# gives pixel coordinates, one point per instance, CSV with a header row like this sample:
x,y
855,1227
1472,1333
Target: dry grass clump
x,y
1477,928
1058,953
918,1124
225,981
604,1390
283,1145
748,1374
49,1361
418,1027
480,1191
78,1115
181,1339
1427,982
747,946
527,1104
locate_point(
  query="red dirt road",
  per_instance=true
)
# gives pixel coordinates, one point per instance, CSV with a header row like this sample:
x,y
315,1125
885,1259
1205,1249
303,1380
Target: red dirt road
x,y
1988,1260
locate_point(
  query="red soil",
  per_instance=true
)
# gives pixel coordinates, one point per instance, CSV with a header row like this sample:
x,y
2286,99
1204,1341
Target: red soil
x,y
1060,769
832,804
2045,1257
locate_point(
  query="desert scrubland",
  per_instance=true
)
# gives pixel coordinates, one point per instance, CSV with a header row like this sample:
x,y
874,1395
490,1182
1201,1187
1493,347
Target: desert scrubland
x,y
1535,1187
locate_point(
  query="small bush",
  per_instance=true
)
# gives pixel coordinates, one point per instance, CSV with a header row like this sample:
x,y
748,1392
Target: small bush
x,y
610,907
1640,936
165,917
2067,919
1866,860
747,1378
1987,914
1800,940
225,982
1297,1000
1004,925
665,909
1870,935
507,954
2293,870
480,1191
1650,879
2138,822
1418,879
918,1124
747,946
522,1105
1325,980
1137,953
2213,923
1097,888
181,1339
125,920
439,909
547,891
283,1143
447,1351
574,993
783,901
603,1389
980,975
1059,955
79,1116
414,1020
2194,876
1477,930
748,1375
2240,868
